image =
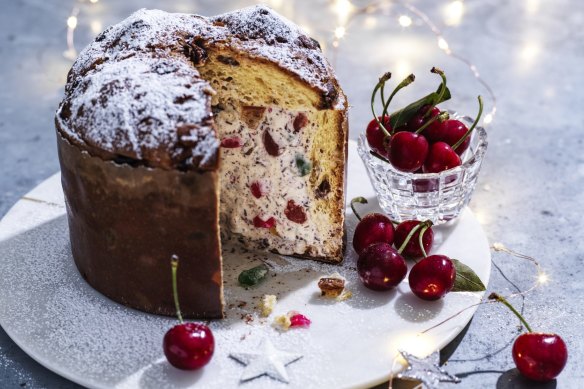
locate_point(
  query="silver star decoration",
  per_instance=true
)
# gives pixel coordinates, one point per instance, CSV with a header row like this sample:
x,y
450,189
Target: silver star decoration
x,y
427,370
267,360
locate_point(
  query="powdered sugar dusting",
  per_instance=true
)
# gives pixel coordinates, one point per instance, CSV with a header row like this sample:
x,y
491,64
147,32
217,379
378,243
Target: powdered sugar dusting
x,y
135,107
122,92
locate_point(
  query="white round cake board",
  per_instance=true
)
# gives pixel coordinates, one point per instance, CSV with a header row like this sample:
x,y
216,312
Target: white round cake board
x,y
60,321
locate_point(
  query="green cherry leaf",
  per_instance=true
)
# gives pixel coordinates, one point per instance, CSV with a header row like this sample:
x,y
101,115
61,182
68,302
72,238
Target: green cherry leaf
x,y
253,276
303,165
466,279
401,116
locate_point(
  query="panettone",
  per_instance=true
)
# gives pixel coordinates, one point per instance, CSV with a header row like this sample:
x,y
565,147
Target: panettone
x,y
173,125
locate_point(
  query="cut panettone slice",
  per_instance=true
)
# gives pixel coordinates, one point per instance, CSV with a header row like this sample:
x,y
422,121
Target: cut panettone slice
x,y
283,146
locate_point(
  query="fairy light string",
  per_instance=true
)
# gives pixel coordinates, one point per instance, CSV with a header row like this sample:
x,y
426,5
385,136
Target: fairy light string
x,y
541,278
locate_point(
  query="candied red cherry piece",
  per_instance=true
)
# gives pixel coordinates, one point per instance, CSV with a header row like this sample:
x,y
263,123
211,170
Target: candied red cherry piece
x,y
299,320
295,212
432,277
232,142
441,157
538,356
408,151
376,137
372,228
381,267
272,148
187,346
256,189
411,230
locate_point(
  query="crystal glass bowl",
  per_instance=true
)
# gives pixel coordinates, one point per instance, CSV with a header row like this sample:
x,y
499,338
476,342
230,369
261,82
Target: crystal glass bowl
x,y
438,197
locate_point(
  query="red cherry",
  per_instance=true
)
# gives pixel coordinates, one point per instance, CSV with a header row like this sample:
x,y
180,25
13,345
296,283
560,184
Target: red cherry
x,y
432,277
441,157
408,151
540,357
376,136
450,131
259,223
189,346
419,119
373,228
380,267
412,248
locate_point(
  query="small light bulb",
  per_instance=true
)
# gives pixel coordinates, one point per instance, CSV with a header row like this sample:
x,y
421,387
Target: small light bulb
x,y
93,1
340,32
488,118
405,21
542,278
498,246
96,26
443,44
72,22
454,12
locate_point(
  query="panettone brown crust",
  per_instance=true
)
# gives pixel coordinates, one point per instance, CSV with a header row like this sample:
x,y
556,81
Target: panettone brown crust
x,y
125,222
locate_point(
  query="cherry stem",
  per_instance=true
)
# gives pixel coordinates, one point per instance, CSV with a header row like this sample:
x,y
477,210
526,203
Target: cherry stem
x,y
411,234
421,236
476,121
405,82
360,200
380,84
174,266
441,117
501,299
440,72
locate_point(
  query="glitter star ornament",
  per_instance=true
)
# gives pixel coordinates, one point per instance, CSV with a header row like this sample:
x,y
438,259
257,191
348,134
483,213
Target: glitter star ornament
x,y
267,360
427,370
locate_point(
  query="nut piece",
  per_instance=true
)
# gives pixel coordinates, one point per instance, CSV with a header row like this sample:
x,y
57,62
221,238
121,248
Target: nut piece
x,y
267,304
332,286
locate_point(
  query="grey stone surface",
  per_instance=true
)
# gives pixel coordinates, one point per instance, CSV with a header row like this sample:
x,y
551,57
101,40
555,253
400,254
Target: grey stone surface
x,y
530,194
